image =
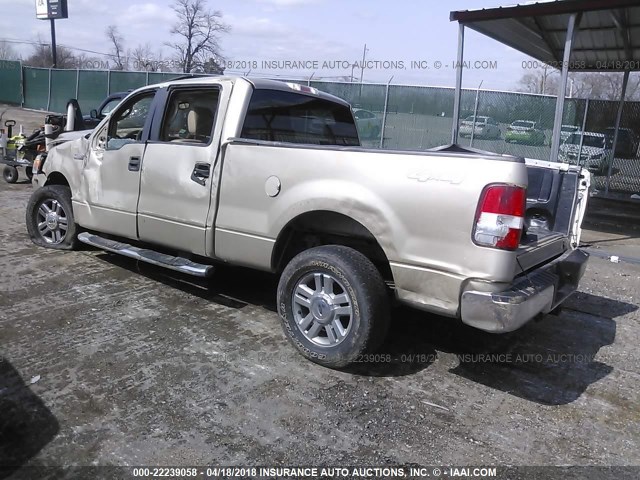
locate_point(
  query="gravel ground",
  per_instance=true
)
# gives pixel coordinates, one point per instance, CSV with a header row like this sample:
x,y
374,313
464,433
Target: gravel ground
x,y
107,362
29,119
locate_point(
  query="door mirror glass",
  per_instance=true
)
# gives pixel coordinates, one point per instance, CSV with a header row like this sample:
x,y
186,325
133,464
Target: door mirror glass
x,y
94,113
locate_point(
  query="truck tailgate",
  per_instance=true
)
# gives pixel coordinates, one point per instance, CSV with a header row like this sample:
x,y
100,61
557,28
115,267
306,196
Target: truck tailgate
x,y
556,197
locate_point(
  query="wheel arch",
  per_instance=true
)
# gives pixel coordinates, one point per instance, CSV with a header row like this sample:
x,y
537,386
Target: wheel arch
x,y
56,178
327,227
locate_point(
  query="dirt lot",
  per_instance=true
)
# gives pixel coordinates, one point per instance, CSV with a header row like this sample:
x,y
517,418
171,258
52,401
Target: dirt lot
x,y
29,119
108,362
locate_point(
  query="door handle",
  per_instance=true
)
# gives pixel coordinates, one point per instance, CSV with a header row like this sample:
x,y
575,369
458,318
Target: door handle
x,y
134,164
200,173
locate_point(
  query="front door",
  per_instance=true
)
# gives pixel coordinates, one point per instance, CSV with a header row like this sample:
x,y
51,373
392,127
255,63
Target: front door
x,y
176,183
111,177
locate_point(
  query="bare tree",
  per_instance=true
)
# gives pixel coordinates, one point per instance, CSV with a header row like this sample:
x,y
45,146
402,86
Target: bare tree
x,y
145,59
593,85
605,86
41,56
212,66
7,52
198,30
541,81
117,47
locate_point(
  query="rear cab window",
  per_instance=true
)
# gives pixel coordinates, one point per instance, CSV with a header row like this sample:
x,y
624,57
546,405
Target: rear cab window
x,y
281,116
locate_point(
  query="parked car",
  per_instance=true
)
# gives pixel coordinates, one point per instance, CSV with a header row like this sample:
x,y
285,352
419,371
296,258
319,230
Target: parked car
x,y
567,130
95,116
270,175
485,127
524,131
368,123
595,154
627,144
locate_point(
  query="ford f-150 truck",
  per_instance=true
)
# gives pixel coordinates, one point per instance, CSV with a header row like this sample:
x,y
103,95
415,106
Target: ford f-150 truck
x,y
271,175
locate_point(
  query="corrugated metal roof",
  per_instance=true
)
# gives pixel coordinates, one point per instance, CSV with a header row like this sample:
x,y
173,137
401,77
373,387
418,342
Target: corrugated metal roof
x,y
608,38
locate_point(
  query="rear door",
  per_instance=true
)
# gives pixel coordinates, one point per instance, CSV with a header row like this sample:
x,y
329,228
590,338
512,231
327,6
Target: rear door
x,y
176,188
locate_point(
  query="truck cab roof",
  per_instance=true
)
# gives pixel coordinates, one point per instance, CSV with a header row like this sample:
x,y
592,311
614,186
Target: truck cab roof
x,y
257,83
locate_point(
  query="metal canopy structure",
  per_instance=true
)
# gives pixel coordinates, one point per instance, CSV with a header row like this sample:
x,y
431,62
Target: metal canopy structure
x,y
570,35
608,37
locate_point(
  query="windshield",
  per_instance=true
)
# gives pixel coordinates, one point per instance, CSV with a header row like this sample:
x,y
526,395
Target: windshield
x,y
523,124
569,128
589,140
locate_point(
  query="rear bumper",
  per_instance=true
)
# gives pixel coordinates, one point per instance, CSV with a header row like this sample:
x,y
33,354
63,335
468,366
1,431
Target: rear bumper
x,y
538,292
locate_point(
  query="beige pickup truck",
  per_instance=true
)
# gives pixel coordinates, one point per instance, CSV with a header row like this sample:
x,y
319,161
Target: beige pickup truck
x,y
271,175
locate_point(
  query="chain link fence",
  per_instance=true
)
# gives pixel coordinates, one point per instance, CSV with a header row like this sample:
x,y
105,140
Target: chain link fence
x,y
513,123
403,117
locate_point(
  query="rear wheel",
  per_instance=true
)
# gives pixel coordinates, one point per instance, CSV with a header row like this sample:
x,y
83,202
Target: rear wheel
x,y
50,221
10,174
333,305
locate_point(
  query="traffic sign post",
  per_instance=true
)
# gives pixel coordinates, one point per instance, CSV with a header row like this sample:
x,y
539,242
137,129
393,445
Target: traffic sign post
x,y
52,10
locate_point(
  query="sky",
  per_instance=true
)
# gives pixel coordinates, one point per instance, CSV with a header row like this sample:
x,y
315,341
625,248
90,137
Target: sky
x,y
408,42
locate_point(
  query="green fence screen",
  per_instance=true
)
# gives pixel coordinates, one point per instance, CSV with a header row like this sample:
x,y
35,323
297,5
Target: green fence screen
x,y
36,88
10,82
63,88
93,87
124,81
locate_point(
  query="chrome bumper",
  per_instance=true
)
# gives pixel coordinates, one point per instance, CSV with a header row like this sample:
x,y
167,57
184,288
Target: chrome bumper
x,y
540,291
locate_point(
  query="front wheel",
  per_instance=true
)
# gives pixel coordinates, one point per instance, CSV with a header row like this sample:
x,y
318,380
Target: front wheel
x,y
10,174
333,305
50,221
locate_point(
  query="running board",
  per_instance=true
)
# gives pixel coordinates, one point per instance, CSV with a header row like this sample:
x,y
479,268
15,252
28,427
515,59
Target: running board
x,y
178,264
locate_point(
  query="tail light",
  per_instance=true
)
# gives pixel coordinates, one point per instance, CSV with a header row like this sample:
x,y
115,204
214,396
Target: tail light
x,y
500,216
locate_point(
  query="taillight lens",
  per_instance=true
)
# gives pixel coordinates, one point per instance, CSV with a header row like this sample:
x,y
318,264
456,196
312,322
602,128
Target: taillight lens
x,y
500,216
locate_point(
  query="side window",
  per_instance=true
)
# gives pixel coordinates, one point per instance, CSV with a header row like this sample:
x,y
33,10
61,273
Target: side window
x,y
280,116
110,105
190,115
127,124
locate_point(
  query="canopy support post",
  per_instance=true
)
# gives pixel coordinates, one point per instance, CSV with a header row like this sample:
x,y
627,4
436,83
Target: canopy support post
x,y
612,155
458,92
574,21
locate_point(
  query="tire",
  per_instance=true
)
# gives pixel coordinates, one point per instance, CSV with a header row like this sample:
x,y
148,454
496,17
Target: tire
x,y
29,172
321,276
50,221
10,174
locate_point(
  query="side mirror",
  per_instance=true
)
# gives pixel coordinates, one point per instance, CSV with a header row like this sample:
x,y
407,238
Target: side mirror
x,y
93,113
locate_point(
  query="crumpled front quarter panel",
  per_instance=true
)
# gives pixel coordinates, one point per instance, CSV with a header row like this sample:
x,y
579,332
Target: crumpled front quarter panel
x,y
68,159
